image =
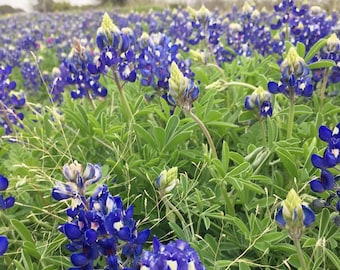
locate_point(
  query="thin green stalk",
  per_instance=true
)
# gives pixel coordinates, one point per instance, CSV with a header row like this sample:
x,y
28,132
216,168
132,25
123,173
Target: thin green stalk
x,y
122,96
5,111
291,113
300,254
205,131
172,208
263,131
323,87
241,84
229,206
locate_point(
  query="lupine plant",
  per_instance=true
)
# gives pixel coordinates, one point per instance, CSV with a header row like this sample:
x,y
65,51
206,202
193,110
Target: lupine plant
x,y
216,131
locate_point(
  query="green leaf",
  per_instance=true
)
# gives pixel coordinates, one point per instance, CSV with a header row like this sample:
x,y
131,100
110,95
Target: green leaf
x,y
171,126
243,167
31,250
225,155
288,45
19,265
288,161
242,227
145,135
298,109
243,266
159,135
300,49
56,261
311,242
21,229
315,49
322,64
324,221
26,260
177,230
176,140
333,257
252,186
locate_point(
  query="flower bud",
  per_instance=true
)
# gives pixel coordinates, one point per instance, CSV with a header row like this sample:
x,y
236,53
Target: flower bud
x,y
178,83
167,180
333,43
294,216
293,65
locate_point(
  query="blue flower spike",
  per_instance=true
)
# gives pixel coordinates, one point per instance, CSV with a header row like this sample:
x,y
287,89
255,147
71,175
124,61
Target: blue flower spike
x,y
295,77
98,226
294,216
182,90
260,99
4,204
174,255
330,159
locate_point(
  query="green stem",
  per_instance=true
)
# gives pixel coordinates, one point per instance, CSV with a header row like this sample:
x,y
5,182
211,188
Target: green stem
x,y
323,87
229,207
126,105
300,254
241,84
291,114
263,131
172,208
206,133
4,110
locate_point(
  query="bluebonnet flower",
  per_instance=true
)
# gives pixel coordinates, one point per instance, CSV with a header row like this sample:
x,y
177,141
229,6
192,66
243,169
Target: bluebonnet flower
x,y
4,204
174,255
98,226
10,101
295,78
116,51
294,216
259,99
182,90
154,60
330,159
86,84
31,75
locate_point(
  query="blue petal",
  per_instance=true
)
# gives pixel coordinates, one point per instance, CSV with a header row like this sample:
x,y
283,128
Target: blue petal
x,y
309,216
72,231
279,217
112,262
129,212
317,161
92,68
3,244
273,87
90,236
9,202
58,195
316,186
325,133
79,259
247,103
156,244
327,179
143,236
329,158
3,182
125,234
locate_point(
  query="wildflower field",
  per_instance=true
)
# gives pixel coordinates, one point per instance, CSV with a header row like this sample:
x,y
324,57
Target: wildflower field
x,y
175,139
